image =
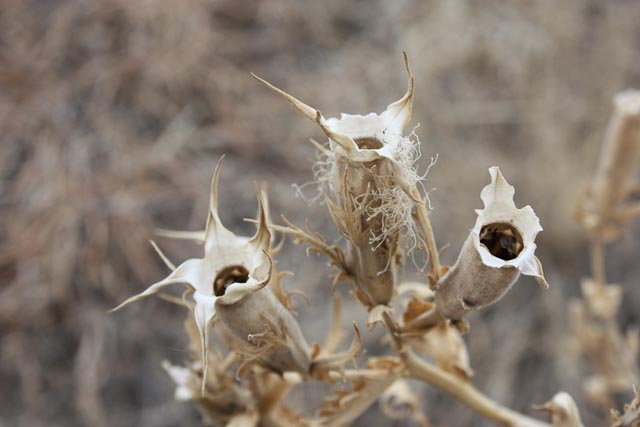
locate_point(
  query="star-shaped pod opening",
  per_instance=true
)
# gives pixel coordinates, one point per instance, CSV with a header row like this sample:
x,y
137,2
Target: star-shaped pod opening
x,y
504,235
366,138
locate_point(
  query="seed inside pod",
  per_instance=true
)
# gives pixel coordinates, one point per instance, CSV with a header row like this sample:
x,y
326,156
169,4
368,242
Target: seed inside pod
x,y
501,240
229,276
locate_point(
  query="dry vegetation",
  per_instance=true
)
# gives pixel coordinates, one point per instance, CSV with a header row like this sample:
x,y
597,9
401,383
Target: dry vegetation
x,y
113,114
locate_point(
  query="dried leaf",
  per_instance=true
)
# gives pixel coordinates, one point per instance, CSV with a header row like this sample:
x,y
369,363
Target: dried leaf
x,y
563,410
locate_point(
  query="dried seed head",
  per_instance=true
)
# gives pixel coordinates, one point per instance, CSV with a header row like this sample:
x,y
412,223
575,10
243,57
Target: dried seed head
x,y
499,248
232,268
368,174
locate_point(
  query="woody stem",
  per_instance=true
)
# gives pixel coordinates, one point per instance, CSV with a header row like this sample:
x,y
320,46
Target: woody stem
x,y
466,393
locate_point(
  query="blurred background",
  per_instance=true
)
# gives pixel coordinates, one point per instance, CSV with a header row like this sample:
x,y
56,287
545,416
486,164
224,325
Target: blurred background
x,y
113,114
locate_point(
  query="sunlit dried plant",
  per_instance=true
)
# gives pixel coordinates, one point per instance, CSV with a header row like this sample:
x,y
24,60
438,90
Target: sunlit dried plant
x,y
367,175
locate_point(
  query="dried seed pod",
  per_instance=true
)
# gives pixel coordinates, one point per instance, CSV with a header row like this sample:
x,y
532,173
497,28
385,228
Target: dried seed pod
x,y
263,322
368,176
499,248
232,278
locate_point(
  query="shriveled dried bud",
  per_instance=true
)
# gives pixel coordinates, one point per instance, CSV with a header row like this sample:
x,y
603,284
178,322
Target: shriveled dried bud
x,y
368,176
499,248
563,410
231,279
606,205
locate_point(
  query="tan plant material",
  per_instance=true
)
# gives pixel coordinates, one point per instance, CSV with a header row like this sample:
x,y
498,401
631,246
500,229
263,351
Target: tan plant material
x,y
246,403
440,341
500,247
563,410
347,403
368,177
631,415
607,204
370,185
445,345
230,281
222,399
597,337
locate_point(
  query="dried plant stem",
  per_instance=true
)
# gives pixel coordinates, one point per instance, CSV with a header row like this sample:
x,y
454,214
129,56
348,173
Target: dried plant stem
x,y
422,217
316,243
597,261
619,157
466,393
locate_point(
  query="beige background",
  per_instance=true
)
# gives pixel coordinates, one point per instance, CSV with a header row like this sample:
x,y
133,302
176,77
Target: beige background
x,y
113,113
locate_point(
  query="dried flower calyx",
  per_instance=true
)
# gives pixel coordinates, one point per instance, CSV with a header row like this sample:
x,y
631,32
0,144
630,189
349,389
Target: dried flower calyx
x,y
368,178
499,248
230,281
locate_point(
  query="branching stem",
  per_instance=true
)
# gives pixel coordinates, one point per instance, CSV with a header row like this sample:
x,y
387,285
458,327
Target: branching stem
x,y
422,217
466,393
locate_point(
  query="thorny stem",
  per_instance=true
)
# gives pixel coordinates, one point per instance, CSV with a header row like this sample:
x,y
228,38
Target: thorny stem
x,y
425,321
314,242
466,393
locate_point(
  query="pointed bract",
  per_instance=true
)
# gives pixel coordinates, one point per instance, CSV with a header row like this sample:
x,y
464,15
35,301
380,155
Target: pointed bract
x,y
232,268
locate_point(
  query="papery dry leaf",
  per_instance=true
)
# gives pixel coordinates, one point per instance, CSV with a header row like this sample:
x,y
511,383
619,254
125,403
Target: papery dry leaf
x,y
347,404
563,410
376,314
415,307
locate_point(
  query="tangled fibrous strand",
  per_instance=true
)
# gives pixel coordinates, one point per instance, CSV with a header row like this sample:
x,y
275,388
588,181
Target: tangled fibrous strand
x,y
386,200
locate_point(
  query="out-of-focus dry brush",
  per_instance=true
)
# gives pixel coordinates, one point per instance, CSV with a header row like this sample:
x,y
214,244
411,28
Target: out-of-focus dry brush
x,y
611,201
